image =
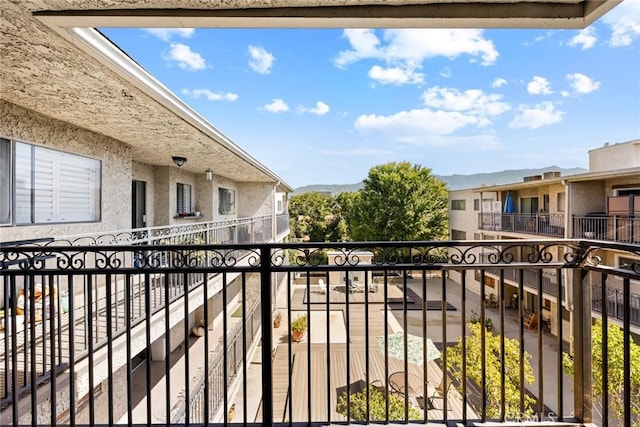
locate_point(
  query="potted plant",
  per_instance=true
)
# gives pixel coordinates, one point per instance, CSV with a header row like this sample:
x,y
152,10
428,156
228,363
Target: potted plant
x,y
298,328
475,318
277,319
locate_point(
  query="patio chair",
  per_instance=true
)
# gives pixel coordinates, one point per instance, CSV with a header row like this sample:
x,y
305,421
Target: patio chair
x,y
353,287
531,321
437,395
323,288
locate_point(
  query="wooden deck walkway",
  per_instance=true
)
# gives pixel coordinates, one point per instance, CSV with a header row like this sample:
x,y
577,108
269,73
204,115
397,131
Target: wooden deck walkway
x,y
328,365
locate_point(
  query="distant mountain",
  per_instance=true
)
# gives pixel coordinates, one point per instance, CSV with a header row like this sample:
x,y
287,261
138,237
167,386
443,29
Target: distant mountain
x,y
454,182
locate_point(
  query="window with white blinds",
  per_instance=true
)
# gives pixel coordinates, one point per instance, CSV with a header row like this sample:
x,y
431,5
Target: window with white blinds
x,y
53,186
183,199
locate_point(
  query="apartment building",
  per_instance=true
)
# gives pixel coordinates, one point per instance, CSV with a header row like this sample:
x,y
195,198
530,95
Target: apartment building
x,y
602,204
95,151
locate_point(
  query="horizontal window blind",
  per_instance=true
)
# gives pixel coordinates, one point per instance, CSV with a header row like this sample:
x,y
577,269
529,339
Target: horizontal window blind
x,y
52,186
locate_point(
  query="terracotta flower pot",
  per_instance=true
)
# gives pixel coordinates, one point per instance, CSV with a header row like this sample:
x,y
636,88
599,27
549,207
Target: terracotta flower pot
x,y
297,336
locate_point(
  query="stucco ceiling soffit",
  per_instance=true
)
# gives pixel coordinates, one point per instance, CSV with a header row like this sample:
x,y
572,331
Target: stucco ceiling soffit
x,y
450,14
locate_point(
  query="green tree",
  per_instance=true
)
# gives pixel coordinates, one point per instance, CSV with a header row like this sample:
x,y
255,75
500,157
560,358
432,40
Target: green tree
x,y
346,203
311,215
615,364
377,406
400,202
493,370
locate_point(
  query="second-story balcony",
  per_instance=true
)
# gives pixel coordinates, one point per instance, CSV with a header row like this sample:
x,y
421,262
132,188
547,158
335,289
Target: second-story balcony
x,y
543,224
612,228
406,347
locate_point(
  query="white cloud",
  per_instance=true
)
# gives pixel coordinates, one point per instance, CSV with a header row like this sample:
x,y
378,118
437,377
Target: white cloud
x,y
167,34
539,86
211,96
261,60
624,21
320,109
447,110
472,101
185,57
586,38
395,75
581,84
277,105
412,46
415,125
539,115
498,83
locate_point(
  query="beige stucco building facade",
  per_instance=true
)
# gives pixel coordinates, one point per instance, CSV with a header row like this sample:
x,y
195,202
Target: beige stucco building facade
x,y
602,204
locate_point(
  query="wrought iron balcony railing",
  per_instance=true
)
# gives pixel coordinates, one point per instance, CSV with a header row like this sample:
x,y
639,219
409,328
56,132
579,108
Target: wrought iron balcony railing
x,y
242,230
543,224
607,227
128,345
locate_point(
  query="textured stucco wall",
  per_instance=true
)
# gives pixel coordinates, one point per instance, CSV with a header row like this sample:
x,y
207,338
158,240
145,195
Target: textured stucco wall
x,y
28,126
615,156
622,182
587,197
256,199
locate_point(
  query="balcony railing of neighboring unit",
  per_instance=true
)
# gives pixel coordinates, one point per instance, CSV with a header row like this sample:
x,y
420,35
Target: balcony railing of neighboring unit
x,y
544,224
610,228
216,356
242,230
615,304
282,223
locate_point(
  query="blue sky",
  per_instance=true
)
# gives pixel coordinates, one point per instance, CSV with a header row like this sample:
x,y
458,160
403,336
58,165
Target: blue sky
x,y
322,106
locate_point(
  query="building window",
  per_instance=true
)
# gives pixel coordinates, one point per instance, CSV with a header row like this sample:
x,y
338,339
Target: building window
x,y
49,186
183,198
458,235
458,205
227,200
562,197
476,204
5,181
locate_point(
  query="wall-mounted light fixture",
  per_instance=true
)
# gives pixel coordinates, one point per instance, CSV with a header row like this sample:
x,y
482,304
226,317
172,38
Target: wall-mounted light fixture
x,y
209,173
179,161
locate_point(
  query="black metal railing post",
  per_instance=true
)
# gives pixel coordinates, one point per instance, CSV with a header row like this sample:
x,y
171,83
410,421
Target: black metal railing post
x,y
583,392
267,339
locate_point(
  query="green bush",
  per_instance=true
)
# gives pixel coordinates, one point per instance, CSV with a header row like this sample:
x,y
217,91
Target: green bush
x,y
377,406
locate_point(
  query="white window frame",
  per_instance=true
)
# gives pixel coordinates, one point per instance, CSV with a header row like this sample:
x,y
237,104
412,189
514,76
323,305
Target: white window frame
x,y
49,186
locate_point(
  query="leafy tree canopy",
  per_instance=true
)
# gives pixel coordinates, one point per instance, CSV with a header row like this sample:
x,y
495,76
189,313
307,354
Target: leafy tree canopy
x,y
493,371
615,369
315,217
400,202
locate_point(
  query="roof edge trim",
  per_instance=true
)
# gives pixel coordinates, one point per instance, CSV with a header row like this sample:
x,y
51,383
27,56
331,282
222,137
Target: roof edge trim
x,y
93,42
